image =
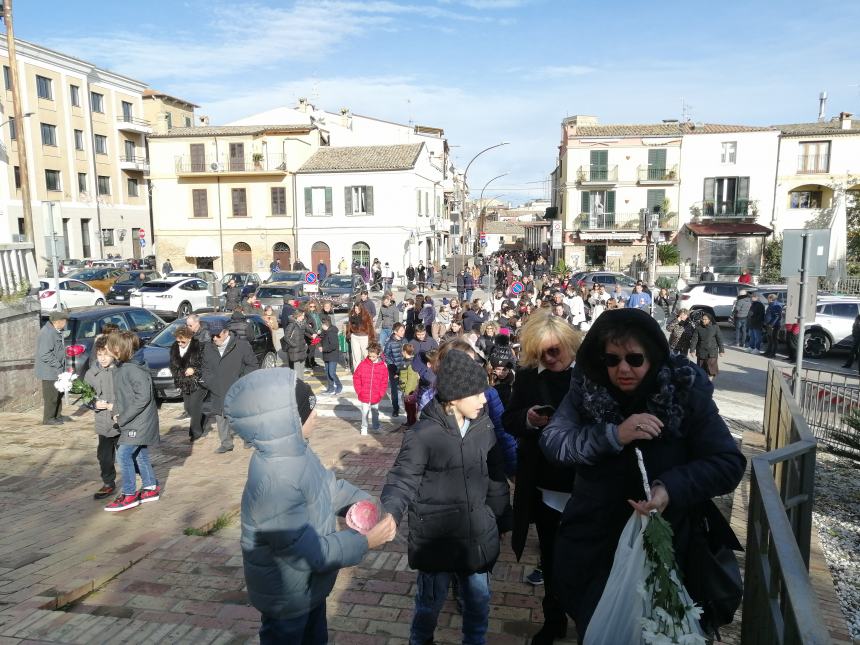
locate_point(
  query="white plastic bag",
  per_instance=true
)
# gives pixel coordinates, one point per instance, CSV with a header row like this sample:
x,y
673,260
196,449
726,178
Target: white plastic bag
x,y
617,620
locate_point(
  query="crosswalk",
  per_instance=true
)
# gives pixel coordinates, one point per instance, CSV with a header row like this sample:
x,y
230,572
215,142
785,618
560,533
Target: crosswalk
x,y
344,406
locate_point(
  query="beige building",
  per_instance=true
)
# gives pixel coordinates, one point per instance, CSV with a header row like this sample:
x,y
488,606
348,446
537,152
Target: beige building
x,y
166,112
224,197
86,143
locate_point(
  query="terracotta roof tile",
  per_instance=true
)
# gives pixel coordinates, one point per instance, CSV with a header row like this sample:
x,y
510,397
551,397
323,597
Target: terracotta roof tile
x,y
363,158
662,129
834,126
232,130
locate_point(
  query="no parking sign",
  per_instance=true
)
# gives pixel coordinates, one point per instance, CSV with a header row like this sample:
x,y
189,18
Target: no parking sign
x,y
311,285
517,287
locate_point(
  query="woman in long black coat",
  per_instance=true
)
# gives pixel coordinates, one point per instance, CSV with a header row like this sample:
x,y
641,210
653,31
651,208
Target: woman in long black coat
x,y
186,362
628,391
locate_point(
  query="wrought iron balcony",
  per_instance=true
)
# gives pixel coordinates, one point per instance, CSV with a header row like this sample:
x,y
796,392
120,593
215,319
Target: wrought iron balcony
x,y
590,175
138,164
652,175
630,222
133,124
739,209
269,164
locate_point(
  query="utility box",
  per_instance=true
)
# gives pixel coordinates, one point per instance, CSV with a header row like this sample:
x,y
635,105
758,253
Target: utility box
x,y
817,252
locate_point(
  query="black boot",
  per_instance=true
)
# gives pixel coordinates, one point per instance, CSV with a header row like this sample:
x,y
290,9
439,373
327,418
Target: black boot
x,y
552,629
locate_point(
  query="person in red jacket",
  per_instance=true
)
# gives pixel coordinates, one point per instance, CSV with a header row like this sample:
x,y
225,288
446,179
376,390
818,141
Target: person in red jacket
x,y
745,278
371,382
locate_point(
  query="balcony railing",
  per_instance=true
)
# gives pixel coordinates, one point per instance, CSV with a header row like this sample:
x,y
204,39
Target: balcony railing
x,y
134,163
133,124
631,222
658,175
269,164
740,209
812,164
589,175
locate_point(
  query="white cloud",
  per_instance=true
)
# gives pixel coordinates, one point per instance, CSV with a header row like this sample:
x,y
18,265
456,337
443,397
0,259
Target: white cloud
x,y
562,71
489,4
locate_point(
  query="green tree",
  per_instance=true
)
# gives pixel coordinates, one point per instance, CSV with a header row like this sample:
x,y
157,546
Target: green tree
x,y
668,254
772,260
852,208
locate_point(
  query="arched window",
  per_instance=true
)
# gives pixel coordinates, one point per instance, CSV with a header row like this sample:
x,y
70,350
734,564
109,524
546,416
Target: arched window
x,y
361,254
281,251
242,260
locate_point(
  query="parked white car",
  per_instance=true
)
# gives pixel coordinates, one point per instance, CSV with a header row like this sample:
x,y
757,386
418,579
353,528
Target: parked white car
x,y
172,296
73,293
716,298
831,329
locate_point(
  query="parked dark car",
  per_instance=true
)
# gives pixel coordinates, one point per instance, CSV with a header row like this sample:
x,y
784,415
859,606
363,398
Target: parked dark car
x,y
273,294
286,276
342,290
156,354
248,281
86,323
119,292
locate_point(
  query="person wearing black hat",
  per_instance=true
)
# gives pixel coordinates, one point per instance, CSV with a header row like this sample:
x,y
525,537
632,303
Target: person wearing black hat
x,y
628,391
449,474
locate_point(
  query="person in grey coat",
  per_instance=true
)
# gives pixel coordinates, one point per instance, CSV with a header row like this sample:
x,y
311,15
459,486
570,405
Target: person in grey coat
x,y
225,360
50,357
136,414
232,296
740,312
291,548
100,377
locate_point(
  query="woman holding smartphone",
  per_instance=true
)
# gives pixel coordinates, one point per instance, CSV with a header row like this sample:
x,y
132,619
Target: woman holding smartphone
x,y
548,347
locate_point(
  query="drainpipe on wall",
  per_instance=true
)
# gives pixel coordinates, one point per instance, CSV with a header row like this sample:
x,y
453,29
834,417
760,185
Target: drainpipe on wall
x,y
773,206
220,220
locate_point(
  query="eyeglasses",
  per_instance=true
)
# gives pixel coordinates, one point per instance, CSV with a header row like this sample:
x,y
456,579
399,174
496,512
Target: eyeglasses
x,y
633,360
551,352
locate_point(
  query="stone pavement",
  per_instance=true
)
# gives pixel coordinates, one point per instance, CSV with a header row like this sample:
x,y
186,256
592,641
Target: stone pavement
x,y
71,573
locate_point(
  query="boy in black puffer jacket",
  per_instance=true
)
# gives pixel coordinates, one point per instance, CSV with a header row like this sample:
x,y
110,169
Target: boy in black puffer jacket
x,y
450,475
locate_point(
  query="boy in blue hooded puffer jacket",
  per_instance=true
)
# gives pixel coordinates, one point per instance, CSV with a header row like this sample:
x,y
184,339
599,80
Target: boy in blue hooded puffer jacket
x,y
291,547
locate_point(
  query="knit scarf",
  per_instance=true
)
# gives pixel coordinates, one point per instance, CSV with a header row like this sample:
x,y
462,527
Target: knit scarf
x,y
669,391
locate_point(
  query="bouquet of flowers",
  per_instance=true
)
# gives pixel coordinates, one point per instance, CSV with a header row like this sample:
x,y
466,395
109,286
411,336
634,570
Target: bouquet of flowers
x,y
69,383
362,516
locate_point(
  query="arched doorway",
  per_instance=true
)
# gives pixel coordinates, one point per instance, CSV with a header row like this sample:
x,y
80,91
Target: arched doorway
x,y
242,261
361,254
320,252
281,251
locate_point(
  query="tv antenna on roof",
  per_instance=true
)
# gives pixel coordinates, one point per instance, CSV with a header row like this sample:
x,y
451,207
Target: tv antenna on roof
x,y
686,111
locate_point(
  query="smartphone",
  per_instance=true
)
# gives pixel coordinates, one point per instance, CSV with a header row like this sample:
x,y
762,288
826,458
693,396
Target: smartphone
x,y
544,410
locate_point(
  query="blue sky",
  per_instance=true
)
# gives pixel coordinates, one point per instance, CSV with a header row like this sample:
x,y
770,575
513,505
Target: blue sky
x,y
484,70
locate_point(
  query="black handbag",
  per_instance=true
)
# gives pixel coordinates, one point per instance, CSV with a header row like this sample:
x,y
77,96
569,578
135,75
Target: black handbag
x,y
712,575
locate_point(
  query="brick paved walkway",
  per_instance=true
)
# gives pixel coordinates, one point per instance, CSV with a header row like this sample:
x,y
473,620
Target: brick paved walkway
x,y
134,577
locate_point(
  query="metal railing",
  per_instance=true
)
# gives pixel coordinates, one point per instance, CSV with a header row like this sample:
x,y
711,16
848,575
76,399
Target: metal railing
x,y
649,173
631,222
780,606
812,164
133,121
826,399
740,208
850,286
248,163
587,174
137,160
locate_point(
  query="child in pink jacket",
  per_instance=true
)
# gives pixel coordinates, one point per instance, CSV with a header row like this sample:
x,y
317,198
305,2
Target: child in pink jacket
x,y
371,382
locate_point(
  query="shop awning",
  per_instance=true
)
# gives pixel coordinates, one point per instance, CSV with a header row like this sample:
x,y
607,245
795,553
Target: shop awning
x,y
202,247
728,229
610,236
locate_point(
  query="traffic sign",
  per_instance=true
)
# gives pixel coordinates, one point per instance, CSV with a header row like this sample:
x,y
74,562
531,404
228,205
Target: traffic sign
x,y
142,242
141,234
517,287
310,277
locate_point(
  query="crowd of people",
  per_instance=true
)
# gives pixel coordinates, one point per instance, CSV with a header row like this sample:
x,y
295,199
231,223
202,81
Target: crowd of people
x,y
547,384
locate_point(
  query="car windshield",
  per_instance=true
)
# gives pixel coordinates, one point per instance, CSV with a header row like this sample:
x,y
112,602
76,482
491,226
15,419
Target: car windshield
x,y
89,274
287,276
156,287
131,277
166,337
338,282
238,277
274,292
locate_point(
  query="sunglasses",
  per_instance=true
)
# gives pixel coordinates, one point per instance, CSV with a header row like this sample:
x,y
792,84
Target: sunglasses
x,y
551,352
633,360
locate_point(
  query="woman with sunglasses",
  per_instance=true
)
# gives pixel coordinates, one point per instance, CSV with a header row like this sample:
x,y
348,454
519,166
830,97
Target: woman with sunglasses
x,y
548,347
629,391
186,363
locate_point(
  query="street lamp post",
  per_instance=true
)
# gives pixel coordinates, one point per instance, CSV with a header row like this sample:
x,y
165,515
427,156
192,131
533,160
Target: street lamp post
x,y
484,209
464,187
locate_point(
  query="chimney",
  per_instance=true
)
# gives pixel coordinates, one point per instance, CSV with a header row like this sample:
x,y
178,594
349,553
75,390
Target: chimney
x,y
303,105
204,121
345,118
579,119
822,105
161,123
845,120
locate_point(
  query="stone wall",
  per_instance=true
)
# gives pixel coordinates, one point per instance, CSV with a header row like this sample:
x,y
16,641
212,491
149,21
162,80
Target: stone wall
x,y
19,326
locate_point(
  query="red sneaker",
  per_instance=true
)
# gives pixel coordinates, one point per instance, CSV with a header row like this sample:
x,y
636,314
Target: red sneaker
x,y
147,495
123,502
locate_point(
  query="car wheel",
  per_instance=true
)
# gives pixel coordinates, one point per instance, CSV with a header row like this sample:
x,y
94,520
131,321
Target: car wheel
x,y
184,310
815,344
100,303
270,360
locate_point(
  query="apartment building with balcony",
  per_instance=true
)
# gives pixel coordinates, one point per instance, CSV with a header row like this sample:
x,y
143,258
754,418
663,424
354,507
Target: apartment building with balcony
x,y
165,112
615,187
364,202
86,148
224,197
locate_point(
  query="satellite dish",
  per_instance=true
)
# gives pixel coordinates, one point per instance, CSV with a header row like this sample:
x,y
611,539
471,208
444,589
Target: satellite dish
x,y
215,166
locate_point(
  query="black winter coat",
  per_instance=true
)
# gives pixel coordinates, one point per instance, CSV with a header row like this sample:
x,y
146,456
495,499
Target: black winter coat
x,y
220,372
533,469
178,364
706,341
293,342
232,298
330,345
755,318
455,490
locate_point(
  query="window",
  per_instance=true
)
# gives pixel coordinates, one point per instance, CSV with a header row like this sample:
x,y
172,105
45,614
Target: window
x,y
188,122
49,134
82,182
729,152
598,165
129,150
814,157
101,144
52,180
127,111
358,200
726,196
841,310
79,139
361,254
85,237
318,201
598,208
279,200
75,95
169,119
44,89
107,236
655,199
132,187
240,202
103,185
656,164
97,102
143,320
200,202
805,199
13,128
17,177
7,77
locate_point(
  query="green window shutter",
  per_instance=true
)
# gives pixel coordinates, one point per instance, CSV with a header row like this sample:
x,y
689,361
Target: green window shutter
x,y
743,197
657,158
586,202
655,200
347,200
328,208
610,201
309,202
368,199
599,159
